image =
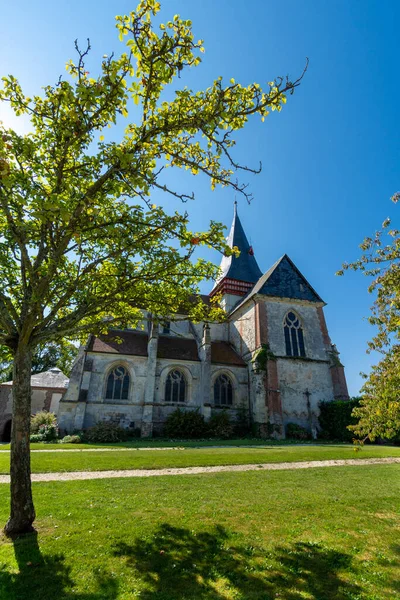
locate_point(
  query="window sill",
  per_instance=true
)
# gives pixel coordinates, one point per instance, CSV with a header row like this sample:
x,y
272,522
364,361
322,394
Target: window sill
x,y
302,358
109,401
167,403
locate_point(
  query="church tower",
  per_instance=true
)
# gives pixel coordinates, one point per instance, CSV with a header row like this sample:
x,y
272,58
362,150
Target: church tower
x,y
238,274
277,317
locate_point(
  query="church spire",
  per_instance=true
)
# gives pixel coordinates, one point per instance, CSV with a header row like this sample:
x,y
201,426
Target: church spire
x,y
238,273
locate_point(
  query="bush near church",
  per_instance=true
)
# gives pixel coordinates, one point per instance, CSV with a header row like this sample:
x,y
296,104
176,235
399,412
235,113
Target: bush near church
x,y
220,426
71,439
105,432
44,427
296,432
191,424
185,424
335,417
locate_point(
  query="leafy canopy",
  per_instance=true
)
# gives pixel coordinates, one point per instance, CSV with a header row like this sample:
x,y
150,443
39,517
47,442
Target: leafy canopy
x,y
379,410
81,244
45,357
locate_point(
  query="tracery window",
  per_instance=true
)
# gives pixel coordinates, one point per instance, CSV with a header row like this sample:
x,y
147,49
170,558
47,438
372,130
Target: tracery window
x,y
294,339
223,391
175,387
118,384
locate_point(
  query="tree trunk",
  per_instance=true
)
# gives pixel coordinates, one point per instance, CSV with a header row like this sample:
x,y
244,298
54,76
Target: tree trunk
x,y
22,510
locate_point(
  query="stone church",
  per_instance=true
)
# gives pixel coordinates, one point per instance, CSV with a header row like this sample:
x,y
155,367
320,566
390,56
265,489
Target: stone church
x,y
273,357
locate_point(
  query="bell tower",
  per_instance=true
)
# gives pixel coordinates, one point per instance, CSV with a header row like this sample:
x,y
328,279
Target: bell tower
x,y
238,274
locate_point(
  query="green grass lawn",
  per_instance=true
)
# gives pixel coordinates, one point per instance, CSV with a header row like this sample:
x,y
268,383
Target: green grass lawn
x,y
168,443
45,462
320,534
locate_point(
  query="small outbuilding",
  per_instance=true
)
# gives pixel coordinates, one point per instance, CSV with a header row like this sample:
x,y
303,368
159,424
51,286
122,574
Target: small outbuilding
x,y
47,390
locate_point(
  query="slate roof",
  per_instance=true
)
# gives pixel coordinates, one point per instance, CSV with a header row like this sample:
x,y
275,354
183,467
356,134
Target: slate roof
x,y
223,353
176,347
120,342
53,378
283,280
244,267
172,347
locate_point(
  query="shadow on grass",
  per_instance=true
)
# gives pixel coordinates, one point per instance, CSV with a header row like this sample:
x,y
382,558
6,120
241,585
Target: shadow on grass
x,y
395,584
177,564
46,577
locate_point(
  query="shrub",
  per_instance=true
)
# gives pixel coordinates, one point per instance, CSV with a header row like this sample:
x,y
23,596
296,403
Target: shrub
x,y
42,418
49,433
220,425
334,418
134,433
44,427
242,425
105,432
185,424
71,439
296,432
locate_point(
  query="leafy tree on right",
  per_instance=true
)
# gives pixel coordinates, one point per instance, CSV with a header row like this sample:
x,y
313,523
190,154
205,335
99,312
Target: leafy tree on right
x,y
379,410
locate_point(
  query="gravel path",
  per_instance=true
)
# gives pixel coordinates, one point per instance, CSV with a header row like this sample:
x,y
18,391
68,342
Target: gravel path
x,y
284,466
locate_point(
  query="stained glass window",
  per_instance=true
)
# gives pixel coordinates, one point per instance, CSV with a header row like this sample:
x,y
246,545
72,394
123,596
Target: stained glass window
x,y
223,392
175,387
294,339
118,384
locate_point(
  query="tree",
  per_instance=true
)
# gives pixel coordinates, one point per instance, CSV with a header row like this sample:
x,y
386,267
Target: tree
x,y
379,410
45,357
81,244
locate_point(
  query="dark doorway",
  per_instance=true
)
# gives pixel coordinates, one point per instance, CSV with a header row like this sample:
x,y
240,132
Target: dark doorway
x,y
6,437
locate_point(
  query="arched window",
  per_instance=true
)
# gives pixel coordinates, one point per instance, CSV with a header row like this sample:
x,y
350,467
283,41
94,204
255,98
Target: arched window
x,y
223,391
294,340
175,387
118,384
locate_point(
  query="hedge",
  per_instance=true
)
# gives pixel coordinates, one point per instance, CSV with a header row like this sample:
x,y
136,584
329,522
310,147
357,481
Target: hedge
x,y
334,418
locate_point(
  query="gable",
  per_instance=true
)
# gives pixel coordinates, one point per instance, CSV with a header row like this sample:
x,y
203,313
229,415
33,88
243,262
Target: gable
x,y
285,281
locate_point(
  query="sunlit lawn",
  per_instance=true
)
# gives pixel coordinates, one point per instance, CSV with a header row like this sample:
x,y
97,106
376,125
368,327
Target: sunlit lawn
x,y
329,533
168,443
43,462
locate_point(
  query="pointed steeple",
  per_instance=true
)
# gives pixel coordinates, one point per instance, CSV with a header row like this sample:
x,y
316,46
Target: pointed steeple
x,y
238,274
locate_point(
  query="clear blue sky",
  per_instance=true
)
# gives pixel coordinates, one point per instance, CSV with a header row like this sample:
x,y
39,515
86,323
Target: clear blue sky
x,y
330,159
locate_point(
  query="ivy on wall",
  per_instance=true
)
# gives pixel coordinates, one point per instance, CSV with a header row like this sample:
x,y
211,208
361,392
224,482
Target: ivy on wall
x,y
261,358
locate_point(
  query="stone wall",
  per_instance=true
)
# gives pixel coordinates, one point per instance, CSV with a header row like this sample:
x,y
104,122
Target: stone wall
x,y
288,391
313,339
303,384
129,413
42,399
242,331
